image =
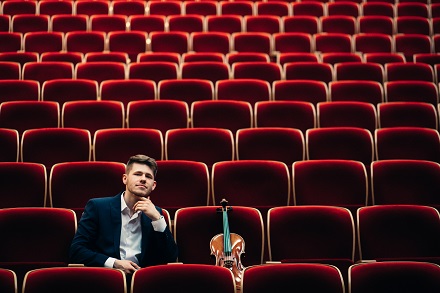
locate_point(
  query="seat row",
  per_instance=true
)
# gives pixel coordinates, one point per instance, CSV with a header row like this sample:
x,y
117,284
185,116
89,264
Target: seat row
x,y
378,277
217,42
212,23
245,90
278,8
258,71
233,115
314,234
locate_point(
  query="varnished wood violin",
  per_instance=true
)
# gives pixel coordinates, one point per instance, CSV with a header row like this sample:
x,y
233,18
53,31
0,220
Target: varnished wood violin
x,y
228,247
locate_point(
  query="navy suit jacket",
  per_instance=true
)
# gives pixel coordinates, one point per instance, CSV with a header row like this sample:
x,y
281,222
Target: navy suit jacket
x,y
99,231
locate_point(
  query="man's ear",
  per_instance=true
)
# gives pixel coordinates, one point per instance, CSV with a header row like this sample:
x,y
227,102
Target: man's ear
x,y
124,179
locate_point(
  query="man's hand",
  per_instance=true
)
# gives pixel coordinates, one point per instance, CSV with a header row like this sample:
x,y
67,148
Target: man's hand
x,y
147,207
127,266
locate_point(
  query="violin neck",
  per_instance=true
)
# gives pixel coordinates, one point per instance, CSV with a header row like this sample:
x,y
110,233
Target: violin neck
x,y
226,234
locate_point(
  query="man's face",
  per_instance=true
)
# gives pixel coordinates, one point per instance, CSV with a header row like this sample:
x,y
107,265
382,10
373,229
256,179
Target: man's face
x,y
139,180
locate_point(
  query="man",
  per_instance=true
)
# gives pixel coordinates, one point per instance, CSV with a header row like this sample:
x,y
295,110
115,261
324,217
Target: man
x,y
126,231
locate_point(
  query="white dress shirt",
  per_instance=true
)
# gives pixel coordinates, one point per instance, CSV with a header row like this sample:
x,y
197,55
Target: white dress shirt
x,y
131,234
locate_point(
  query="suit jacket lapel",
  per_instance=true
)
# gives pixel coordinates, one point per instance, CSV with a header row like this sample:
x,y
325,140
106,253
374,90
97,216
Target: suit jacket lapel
x,y
115,214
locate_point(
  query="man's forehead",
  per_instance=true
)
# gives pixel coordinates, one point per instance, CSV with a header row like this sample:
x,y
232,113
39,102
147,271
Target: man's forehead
x,y
136,167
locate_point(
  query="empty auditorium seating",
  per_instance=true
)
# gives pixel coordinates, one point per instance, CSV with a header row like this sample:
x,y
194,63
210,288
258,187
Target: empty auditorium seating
x,y
233,57
49,7
308,71
43,71
67,23
428,58
407,143
345,143
252,42
325,182
93,115
309,8
403,276
410,8
312,91
10,41
93,179
85,41
128,8
177,42
342,24
118,144
315,277
164,8
240,8
24,23
10,145
202,56
260,184
413,25
49,230
154,70
72,57
159,56
210,70
247,89
185,277
31,194
10,70
417,114
262,23
289,114
384,57
65,90
301,24
376,24
121,57
156,114
100,71
23,115
347,113
359,90
128,90
333,42
383,8
405,182
132,43
266,71
203,144
411,91
147,23
211,42
399,233
228,114
200,7
333,58
81,278
188,23
8,281
347,8
292,42
410,44
53,145
92,7
186,90
277,8
224,23
270,143
316,234
182,184
19,57
244,221
19,7
107,23
360,71
409,71
19,90
40,42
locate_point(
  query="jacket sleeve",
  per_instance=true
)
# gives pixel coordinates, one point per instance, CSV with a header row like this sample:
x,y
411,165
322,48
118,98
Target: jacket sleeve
x,y
84,248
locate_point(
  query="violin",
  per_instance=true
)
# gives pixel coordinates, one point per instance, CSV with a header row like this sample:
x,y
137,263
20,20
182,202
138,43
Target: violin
x,y
228,247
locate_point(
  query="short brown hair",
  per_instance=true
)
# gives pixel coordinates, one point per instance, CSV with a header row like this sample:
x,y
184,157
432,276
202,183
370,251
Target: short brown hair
x,y
142,159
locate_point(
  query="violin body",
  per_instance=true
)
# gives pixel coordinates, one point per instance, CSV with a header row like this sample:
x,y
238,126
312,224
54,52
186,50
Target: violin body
x,y
227,248
233,261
